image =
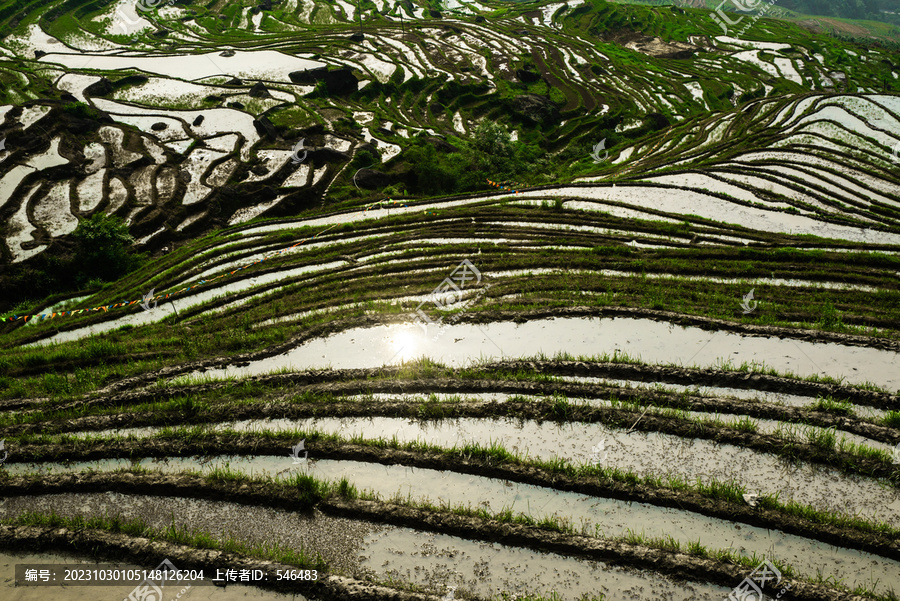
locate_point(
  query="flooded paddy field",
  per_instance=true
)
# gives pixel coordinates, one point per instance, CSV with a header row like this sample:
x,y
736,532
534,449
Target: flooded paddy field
x,y
473,301
590,515
356,549
645,340
643,453
8,562
830,504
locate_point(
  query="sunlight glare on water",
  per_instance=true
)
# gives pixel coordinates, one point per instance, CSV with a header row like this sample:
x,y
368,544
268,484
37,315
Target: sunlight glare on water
x,y
407,343
652,342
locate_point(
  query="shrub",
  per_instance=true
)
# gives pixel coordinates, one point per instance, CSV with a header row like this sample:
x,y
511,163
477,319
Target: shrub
x,y
81,110
489,154
432,172
103,249
364,158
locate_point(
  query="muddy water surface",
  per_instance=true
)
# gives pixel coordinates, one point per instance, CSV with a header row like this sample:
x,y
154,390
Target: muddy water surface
x,y
161,310
651,341
362,549
644,453
10,592
790,430
222,520
592,516
765,396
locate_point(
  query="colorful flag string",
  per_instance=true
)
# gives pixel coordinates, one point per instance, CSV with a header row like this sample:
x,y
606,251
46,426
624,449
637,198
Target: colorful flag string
x,y
167,296
506,186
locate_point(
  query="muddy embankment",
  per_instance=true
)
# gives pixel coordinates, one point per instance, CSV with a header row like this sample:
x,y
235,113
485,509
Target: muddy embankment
x,y
613,417
326,329
270,493
270,405
116,547
142,551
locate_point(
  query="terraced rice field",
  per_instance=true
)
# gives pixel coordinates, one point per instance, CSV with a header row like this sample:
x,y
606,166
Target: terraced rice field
x,y
641,370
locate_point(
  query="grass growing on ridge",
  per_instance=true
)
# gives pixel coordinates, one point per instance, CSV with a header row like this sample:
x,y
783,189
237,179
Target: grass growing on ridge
x,y
229,333
495,454
195,538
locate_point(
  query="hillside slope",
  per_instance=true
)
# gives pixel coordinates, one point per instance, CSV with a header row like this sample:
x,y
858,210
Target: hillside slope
x,y
537,302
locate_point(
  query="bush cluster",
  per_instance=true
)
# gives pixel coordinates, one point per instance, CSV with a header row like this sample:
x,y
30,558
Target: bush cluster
x,y
102,252
491,154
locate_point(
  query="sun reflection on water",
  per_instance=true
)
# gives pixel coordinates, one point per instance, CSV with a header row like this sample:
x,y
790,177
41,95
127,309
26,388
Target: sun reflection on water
x,y
407,343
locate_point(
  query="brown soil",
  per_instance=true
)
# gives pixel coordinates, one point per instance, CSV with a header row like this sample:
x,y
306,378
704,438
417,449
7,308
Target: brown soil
x,y
658,48
844,27
651,46
566,87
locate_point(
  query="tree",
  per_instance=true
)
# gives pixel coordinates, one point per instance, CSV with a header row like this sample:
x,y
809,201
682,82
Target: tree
x,y
492,138
103,249
433,172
